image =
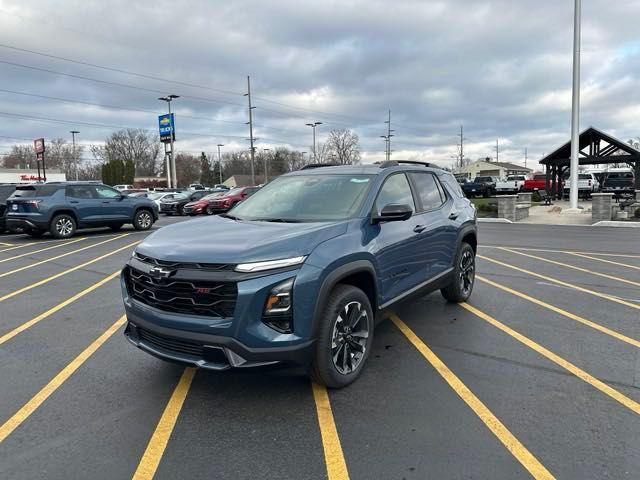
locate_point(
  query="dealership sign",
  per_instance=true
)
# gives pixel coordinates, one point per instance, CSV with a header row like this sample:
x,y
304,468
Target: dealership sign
x,y
38,146
166,127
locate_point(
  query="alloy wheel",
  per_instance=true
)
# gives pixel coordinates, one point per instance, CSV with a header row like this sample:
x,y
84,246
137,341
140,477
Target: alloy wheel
x,y
467,272
64,227
144,219
349,338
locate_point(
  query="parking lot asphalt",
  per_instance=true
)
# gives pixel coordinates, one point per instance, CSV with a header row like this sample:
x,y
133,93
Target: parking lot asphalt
x,y
538,375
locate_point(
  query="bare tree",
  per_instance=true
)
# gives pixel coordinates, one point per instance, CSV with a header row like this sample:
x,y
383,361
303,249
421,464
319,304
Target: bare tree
x,y
136,145
343,147
20,156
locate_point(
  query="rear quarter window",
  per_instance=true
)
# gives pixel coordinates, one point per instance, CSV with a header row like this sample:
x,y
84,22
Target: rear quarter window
x,y
452,185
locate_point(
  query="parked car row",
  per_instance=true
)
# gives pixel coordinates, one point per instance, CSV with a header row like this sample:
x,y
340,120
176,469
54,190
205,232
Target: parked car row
x,y
208,202
620,181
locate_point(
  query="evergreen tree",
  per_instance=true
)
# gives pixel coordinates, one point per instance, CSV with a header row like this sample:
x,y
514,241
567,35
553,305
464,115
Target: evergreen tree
x,y
207,175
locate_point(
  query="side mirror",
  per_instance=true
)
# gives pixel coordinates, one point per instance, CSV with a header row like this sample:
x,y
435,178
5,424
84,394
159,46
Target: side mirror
x,y
392,212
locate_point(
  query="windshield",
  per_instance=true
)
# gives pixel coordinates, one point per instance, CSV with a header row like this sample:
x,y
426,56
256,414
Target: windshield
x,y
483,179
177,197
155,196
212,195
306,198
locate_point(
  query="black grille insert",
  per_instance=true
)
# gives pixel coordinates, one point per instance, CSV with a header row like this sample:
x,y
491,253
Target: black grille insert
x,y
171,344
194,297
185,265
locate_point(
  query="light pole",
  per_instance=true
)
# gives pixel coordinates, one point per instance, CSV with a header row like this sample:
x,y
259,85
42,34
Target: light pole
x,y
75,154
171,171
575,109
314,125
220,161
266,173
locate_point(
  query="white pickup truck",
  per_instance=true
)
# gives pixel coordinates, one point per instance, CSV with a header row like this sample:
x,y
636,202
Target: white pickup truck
x,y
513,184
587,184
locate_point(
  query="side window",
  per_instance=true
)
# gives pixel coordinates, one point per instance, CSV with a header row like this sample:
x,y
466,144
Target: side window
x,y
80,191
452,185
429,191
106,192
395,190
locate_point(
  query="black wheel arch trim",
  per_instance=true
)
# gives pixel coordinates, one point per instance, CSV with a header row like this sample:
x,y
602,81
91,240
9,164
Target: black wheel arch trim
x,y
334,277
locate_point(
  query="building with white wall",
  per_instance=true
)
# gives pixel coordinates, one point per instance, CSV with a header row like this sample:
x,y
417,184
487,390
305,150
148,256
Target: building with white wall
x,y
29,175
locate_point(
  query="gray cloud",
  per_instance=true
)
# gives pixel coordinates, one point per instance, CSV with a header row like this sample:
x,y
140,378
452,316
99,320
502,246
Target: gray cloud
x,y
501,68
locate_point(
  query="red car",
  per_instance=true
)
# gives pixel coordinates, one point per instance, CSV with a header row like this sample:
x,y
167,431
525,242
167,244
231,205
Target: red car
x,y
201,206
227,201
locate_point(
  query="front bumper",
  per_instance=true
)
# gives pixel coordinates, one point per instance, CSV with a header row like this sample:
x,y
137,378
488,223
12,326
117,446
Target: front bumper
x,y
239,340
206,351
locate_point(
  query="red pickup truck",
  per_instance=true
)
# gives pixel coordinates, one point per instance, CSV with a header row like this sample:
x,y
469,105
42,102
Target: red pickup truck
x,y
538,182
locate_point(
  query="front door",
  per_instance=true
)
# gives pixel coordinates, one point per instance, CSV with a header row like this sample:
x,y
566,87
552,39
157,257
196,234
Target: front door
x,y
114,206
84,201
396,244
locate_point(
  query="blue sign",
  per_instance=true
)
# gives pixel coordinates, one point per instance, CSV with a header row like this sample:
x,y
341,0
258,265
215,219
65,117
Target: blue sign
x,y
167,127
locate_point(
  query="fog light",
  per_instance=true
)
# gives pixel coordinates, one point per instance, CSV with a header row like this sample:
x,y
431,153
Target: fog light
x,y
277,309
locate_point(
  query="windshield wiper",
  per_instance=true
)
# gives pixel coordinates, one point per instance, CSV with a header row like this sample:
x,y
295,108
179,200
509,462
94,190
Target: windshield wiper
x,y
278,220
227,215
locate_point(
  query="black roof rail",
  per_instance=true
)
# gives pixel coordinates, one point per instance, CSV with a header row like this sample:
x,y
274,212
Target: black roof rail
x,y
319,165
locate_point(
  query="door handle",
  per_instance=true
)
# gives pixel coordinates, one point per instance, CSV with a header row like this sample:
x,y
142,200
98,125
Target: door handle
x,y
419,228
106,201
453,215
74,201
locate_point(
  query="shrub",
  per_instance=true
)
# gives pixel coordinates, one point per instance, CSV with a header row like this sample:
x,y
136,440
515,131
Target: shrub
x,y
637,213
535,197
488,207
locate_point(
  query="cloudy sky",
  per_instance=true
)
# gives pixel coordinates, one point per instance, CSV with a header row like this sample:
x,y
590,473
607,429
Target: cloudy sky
x,y
500,68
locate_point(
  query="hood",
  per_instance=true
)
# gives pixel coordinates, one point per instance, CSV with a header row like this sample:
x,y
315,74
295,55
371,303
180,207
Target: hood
x,y
223,240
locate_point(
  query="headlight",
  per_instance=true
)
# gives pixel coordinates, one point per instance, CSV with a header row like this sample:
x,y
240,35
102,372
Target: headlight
x,y
277,309
269,265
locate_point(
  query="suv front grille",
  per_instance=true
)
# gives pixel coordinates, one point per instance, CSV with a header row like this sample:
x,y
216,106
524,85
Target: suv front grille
x,y
186,265
193,297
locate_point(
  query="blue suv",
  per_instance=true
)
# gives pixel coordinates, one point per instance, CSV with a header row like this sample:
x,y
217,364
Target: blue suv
x,y
297,273
61,208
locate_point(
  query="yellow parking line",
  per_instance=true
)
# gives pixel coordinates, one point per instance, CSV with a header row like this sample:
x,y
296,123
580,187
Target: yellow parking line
x,y
572,267
73,269
38,399
511,443
39,251
333,456
570,367
158,442
66,254
12,333
624,255
560,282
6,244
553,308
625,265
18,246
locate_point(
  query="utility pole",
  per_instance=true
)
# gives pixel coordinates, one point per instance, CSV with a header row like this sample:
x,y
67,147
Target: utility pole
x,y
266,172
220,161
172,177
525,157
575,109
75,154
387,138
461,148
497,151
250,123
313,126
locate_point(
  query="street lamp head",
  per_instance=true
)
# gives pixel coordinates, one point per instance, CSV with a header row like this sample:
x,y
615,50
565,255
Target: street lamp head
x,y
318,123
309,124
221,144
164,99
172,96
74,131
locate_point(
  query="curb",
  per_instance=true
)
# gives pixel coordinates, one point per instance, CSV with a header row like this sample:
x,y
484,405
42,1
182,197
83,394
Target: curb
x,y
494,220
614,223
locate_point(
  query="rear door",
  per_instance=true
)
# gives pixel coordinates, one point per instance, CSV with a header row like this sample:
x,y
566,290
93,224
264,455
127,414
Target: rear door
x,y
437,233
83,199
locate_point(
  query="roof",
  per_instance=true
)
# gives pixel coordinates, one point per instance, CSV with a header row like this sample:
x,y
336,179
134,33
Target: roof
x,y
363,169
511,166
588,137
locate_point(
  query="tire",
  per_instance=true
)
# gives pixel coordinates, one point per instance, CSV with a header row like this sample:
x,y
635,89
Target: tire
x,y
343,301
464,272
116,227
143,219
209,211
62,226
